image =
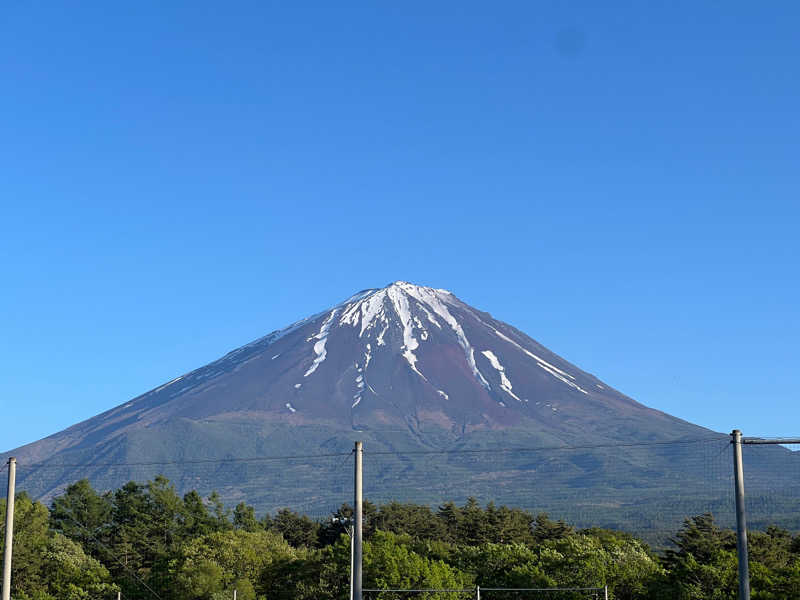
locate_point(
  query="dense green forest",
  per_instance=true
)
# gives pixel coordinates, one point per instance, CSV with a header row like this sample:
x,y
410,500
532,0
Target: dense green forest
x,y
148,542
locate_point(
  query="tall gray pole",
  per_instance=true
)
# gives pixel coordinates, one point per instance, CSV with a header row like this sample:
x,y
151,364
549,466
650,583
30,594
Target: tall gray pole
x,y
358,515
12,476
351,560
741,520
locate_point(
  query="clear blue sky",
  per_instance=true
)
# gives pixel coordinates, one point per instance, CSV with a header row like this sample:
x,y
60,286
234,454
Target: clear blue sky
x,y
619,180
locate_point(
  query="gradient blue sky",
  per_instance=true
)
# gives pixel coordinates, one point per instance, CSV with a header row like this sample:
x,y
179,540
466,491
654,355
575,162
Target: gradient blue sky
x,y
619,180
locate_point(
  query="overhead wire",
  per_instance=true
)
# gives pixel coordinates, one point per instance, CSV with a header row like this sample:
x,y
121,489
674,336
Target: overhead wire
x,y
542,448
46,465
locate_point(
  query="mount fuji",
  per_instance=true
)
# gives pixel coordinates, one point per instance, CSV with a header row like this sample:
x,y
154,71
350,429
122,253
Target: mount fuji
x,y
412,371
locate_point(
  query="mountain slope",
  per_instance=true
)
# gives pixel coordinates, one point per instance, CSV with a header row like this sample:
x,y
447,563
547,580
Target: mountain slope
x,y
400,357
406,368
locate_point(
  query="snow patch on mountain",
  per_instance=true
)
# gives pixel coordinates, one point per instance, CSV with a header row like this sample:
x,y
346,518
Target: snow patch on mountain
x,y
369,312
367,356
400,303
319,346
552,369
505,383
381,341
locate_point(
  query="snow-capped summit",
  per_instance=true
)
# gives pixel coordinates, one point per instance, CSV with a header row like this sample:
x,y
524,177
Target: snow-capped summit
x,y
403,355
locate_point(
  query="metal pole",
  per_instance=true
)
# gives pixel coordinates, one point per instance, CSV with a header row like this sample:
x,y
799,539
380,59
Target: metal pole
x,y
119,595
12,476
477,592
350,531
358,515
605,592
741,520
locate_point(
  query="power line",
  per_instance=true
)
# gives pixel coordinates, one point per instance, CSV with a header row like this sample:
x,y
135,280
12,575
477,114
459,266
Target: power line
x,y
43,465
542,448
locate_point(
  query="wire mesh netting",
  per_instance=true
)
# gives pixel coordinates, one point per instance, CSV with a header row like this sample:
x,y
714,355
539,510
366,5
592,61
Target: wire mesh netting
x,y
772,485
146,522
311,484
646,489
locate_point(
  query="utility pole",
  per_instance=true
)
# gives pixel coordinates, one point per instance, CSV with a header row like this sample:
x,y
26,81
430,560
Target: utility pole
x,y
358,515
741,520
12,476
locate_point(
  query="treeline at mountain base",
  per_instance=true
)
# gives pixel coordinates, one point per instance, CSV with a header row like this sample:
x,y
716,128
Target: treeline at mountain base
x,y
147,542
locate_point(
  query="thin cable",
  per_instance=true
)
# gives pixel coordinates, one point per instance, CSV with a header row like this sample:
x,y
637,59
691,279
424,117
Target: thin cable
x,y
349,454
540,448
186,462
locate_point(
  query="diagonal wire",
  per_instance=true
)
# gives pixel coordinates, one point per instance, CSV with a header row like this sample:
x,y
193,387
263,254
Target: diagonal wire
x,y
348,455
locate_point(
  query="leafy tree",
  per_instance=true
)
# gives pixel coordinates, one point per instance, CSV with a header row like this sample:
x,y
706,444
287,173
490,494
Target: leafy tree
x,y
195,518
546,529
244,517
213,562
219,514
48,565
704,564
503,565
473,526
309,575
83,515
416,520
130,524
449,515
510,525
244,589
165,508
771,548
30,543
390,563
299,531
72,575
